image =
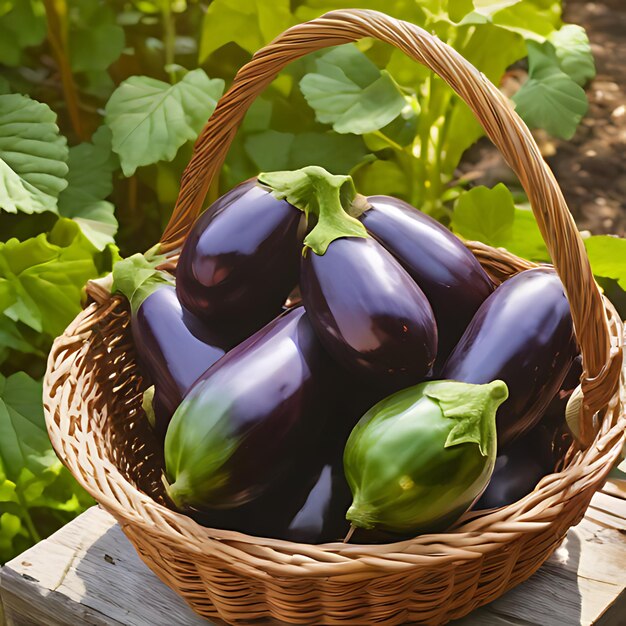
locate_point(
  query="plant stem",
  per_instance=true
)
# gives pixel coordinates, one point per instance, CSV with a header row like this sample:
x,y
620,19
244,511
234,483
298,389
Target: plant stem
x,y
57,37
169,37
28,520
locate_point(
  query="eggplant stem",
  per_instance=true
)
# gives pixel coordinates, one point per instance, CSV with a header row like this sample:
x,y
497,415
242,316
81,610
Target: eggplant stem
x,y
350,533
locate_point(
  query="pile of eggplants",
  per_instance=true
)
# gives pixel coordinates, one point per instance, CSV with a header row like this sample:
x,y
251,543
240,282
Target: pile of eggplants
x,y
402,389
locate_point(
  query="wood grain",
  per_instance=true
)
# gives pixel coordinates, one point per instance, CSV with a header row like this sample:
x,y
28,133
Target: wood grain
x,y
89,574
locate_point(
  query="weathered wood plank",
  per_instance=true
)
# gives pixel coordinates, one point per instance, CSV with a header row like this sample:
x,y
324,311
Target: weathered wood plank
x,y
88,573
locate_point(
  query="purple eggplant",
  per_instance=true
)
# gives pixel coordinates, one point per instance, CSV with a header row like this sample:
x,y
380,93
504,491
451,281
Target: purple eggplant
x,y
522,334
368,313
241,260
447,272
519,467
249,417
173,347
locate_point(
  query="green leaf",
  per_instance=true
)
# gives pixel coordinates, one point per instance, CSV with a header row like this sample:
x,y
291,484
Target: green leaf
x,y
550,99
32,478
150,119
327,197
11,338
272,150
249,24
473,406
490,216
573,52
23,437
607,256
95,39
90,181
33,156
22,24
351,93
533,19
486,215
137,277
42,278
382,175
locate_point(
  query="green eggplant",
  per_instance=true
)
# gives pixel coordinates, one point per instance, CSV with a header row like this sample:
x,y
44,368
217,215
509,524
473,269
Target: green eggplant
x,y
418,459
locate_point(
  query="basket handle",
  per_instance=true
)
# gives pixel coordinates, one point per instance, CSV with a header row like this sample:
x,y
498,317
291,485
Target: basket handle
x,y
502,125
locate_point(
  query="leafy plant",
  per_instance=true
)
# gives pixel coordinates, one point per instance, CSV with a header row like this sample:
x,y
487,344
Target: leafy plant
x,y
100,102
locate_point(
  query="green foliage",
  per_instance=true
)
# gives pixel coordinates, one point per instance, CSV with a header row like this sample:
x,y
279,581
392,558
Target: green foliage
x,y
33,156
573,52
550,99
90,181
150,119
249,24
351,93
22,24
490,216
608,257
31,477
95,40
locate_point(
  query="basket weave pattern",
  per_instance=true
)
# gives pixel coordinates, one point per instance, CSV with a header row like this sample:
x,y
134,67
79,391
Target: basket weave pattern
x,y
92,398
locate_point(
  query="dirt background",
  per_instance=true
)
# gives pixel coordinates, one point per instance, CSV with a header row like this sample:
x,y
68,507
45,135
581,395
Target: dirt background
x,y
590,167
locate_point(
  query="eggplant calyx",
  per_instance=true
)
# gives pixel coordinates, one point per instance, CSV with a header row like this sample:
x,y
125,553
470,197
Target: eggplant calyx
x,y
326,200
473,407
137,277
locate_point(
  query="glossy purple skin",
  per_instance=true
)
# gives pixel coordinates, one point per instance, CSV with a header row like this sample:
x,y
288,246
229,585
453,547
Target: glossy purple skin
x,y
241,260
174,348
307,504
368,313
522,334
275,385
519,467
447,272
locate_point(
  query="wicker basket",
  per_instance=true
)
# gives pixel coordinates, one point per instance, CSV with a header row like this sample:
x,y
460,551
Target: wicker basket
x,y
92,397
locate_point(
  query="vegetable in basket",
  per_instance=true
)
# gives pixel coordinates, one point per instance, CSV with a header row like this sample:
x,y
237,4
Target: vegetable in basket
x,y
522,334
418,459
307,505
365,308
249,416
173,346
240,261
447,272
520,466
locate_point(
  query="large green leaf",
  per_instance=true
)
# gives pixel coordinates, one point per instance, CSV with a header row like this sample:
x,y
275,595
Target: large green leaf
x,y
94,37
351,93
150,119
574,52
607,256
90,181
42,279
490,216
23,437
550,99
249,24
271,150
33,156
22,24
